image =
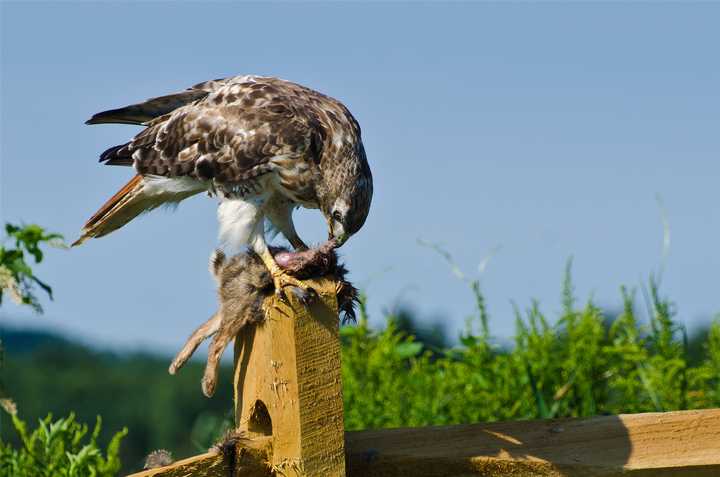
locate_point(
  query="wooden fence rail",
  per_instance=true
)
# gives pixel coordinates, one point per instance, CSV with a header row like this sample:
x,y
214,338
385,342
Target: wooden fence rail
x,y
683,443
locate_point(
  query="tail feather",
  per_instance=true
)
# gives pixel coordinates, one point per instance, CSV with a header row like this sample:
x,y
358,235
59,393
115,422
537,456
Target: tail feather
x,y
136,197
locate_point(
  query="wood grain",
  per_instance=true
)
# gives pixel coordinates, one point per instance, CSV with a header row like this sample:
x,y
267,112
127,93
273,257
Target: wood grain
x,y
678,444
249,461
685,443
291,364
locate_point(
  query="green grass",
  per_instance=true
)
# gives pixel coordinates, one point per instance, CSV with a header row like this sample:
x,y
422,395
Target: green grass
x,y
581,363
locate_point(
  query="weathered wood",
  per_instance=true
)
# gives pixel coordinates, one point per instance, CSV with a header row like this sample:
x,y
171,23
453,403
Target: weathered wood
x,y
685,443
678,444
288,384
248,459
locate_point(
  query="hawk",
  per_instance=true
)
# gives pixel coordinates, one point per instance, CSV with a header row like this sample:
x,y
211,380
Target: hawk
x,y
264,146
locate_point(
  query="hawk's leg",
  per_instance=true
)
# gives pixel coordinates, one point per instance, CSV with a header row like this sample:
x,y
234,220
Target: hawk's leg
x,y
281,278
297,242
279,212
242,221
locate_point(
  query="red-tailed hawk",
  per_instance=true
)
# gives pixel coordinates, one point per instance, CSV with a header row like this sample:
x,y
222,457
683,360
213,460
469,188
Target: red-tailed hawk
x,y
263,146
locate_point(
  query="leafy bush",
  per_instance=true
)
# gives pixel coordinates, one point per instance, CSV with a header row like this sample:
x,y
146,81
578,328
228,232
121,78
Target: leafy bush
x,y
59,449
170,412
583,364
54,448
16,276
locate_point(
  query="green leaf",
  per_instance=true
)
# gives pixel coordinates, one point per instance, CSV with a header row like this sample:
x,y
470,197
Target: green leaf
x,y
16,275
408,350
60,448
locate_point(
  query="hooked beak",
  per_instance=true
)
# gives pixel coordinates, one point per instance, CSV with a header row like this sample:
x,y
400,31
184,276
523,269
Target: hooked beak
x,y
339,240
336,233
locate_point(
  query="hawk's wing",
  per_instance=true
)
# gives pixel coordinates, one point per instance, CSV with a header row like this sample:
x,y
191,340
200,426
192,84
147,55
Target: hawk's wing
x,y
230,134
143,112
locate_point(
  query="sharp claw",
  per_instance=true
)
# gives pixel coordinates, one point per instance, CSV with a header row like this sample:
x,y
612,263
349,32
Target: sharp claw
x,y
285,282
310,297
282,279
305,296
280,293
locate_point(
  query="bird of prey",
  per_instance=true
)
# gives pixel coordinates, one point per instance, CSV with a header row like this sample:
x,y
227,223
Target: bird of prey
x,y
264,146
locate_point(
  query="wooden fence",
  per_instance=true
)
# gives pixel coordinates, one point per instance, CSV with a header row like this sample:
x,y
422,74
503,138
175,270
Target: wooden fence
x,y
289,416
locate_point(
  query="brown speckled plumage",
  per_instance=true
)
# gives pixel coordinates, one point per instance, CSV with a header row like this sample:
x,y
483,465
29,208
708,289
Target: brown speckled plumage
x,y
243,284
229,136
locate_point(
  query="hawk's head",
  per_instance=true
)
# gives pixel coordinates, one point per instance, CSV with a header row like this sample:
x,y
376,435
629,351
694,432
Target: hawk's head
x,y
348,194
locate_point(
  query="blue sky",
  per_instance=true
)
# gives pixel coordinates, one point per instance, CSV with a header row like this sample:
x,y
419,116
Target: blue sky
x,y
544,129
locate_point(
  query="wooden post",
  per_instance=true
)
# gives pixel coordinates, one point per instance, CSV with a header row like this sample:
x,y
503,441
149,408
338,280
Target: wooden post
x,y
288,384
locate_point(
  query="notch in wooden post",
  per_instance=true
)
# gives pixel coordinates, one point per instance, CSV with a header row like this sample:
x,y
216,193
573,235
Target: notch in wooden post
x,y
288,384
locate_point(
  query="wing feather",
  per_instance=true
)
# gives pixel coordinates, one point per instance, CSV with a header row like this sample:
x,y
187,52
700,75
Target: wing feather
x,y
230,135
152,108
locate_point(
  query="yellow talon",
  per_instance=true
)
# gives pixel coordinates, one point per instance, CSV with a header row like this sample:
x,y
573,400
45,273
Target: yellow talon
x,y
283,279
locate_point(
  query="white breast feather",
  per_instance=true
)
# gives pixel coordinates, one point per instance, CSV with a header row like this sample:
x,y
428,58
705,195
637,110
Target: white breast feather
x,y
240,221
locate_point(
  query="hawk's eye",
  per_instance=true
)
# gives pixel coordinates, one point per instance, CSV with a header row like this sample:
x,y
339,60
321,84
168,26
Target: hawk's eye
x,y
337,216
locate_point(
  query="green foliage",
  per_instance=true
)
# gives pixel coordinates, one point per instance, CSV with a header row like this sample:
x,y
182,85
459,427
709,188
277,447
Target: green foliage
x,y
581,363
16,276
59,448
132,390
704,381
